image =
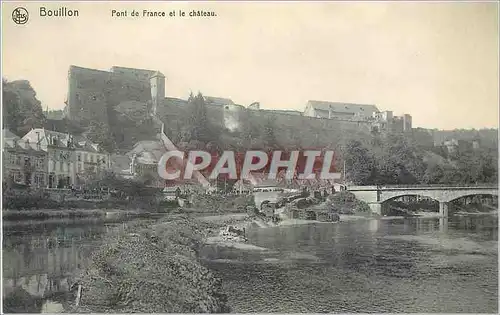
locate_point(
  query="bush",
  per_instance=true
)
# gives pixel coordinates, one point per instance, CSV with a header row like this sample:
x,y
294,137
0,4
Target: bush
x,y
362,206
153,270
346,203
342,197
222,204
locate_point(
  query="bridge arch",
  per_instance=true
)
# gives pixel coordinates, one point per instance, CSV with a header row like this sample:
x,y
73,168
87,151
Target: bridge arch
x,y
475,194
390,197
386,210
436,194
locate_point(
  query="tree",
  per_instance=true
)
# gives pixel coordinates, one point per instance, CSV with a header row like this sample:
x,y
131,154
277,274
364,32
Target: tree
x,y
198,122
21,109
360,165
399,162
249,131
268,135
99,133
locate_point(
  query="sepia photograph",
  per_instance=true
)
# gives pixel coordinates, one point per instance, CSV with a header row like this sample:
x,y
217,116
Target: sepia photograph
x,y
250,157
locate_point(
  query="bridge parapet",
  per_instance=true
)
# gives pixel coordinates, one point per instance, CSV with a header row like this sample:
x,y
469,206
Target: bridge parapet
x,y
445,194
441,193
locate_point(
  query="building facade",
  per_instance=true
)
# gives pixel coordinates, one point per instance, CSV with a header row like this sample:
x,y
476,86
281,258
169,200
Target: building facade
x,y
90,161
144,158
24,162
336,110
66,157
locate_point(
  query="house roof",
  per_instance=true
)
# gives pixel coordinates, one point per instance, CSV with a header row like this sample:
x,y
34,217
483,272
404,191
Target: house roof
x,y
83,143
39,134
21,145
60,139
62,125
7,134
218,100
340,107
147,151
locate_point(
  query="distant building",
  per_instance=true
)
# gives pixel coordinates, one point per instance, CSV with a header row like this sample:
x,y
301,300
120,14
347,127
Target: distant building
x,y
144,158
242,187
386,121
331,110
90,159
254,106
476,143
402,123
456,145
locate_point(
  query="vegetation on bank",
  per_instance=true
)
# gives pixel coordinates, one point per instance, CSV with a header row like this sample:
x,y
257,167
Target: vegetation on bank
x,y
222,203
124,194
152,269
345,202
397,159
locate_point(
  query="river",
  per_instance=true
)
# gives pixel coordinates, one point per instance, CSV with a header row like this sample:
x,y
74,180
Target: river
x,y
401,265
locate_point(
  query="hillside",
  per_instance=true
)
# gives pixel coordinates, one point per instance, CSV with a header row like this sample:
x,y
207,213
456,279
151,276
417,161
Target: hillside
x,y
370,158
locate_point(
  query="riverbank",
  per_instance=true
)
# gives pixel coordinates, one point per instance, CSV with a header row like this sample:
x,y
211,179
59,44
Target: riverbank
x,y
162,259
44,214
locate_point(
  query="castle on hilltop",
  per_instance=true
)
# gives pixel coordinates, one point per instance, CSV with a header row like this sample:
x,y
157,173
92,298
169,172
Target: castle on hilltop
x,y
93,95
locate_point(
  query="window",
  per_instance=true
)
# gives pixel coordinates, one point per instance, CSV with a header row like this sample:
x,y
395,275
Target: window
x,y
12,158
39,179
39,163
18,178
85,157
18,160
61,166
79,157
92,158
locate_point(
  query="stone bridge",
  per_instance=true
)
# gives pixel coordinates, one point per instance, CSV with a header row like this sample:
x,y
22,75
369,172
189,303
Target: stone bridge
x,y
375,196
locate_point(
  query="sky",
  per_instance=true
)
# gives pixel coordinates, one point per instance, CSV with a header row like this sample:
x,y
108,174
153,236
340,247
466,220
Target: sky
x,y
437,61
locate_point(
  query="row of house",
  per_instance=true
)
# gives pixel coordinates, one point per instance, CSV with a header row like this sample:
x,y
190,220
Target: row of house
x,y
49,159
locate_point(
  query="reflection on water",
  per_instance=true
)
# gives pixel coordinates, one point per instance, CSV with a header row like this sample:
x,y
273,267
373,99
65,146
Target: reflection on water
x,y
40,259
407,265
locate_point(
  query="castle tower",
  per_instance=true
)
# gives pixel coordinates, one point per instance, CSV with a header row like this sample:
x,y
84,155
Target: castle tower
x,y
157,81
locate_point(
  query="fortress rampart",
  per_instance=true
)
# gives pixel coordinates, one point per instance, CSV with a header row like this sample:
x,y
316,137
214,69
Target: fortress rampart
x,y
93,95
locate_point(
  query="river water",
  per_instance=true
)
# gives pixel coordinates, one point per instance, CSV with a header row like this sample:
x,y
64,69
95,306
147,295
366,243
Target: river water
x,y
404,265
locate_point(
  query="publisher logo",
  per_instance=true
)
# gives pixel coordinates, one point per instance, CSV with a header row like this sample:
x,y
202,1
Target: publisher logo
x,y
20,15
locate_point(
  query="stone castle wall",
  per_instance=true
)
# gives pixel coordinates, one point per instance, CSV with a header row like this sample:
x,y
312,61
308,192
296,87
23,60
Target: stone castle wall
x,y
92,94
289,128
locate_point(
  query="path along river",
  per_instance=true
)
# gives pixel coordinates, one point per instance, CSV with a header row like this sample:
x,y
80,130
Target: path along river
x,y
401,265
